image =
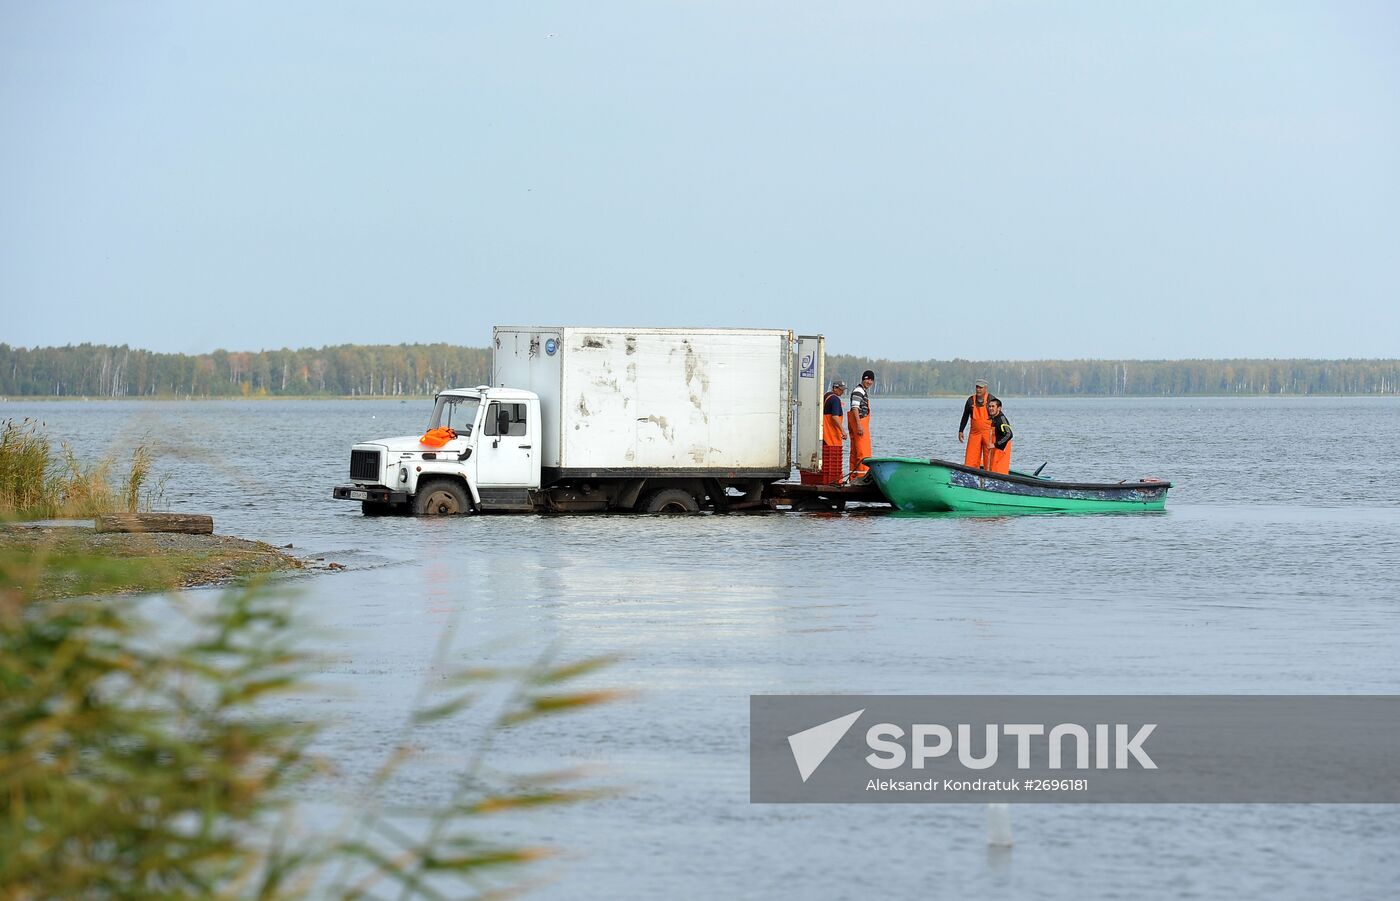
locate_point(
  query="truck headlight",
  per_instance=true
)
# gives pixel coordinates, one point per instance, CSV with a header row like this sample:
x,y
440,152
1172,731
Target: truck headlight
x,y
403,474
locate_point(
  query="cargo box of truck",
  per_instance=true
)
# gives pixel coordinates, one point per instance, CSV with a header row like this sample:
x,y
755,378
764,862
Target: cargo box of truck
x,y
626,401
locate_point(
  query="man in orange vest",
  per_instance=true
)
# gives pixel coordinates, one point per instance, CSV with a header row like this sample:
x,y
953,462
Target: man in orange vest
x,y
833,433
858,417
979,441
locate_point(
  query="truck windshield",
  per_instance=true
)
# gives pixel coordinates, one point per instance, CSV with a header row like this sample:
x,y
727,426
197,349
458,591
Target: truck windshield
x,y
455,412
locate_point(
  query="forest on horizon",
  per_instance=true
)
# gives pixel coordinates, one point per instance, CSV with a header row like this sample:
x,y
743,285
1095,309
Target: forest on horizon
x,y
409,370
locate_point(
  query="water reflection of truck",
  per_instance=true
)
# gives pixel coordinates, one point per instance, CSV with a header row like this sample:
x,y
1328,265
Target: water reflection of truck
x,y
591,419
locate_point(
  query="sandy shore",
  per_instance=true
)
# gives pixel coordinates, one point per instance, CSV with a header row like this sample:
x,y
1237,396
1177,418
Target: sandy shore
x,y
139,562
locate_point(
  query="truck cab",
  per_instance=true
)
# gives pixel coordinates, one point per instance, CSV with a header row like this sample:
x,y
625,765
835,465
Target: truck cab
x,y
489,460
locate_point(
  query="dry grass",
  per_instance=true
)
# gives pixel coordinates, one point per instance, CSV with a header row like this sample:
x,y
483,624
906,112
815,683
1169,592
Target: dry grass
x,y
36,483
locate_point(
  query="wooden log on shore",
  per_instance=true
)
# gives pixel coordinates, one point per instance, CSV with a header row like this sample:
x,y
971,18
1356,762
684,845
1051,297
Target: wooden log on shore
x,y
190,524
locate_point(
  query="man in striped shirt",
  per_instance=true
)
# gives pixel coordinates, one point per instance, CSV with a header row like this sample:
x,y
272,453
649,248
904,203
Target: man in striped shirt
x,y
858,418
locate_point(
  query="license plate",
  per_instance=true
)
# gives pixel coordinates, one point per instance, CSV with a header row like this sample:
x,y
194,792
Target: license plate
x,y
359,495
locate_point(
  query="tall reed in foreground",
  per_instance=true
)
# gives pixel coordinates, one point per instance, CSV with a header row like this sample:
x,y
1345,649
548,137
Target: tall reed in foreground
x,y
36,484
139,757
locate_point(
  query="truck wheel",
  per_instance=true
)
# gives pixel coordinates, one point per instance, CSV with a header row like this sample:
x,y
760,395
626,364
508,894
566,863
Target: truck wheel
x,y
672,500
441,497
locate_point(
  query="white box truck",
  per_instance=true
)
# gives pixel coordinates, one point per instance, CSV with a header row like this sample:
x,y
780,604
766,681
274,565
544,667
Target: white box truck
x,y
590,419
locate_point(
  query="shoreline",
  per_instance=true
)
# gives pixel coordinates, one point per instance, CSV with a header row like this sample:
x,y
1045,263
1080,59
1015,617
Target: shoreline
x,y
138,562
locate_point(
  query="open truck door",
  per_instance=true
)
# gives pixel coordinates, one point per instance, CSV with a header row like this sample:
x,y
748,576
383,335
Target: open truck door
x,y
811,388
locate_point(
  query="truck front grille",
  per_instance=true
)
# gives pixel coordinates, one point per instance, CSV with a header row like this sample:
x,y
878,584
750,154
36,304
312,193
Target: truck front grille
x,y
364,465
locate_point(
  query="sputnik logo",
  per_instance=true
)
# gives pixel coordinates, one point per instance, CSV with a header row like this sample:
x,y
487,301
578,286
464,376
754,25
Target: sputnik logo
x,y
810,746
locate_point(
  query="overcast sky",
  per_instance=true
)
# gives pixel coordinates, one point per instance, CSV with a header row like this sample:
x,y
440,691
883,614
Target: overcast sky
x,y
914,180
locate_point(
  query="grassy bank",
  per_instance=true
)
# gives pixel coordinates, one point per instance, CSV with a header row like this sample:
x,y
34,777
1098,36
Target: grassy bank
x,y
37,482
63,562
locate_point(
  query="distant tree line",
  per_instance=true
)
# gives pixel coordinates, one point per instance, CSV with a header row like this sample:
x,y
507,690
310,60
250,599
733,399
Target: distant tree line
x,y
96,370
1031,378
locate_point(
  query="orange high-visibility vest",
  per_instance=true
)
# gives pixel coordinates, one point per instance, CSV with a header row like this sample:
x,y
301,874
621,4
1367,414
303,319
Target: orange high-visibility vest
x,y
437,437
979,434
831,425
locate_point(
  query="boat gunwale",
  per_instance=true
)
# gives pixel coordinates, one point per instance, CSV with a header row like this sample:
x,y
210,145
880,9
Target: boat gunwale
x,y
1020,479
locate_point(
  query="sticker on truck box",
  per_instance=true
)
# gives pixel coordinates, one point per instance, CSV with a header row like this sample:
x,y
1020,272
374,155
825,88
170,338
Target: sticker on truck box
x,y
551,346
808,369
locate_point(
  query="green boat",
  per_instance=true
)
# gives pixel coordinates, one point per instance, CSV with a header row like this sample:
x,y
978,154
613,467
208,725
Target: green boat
x,y
940,486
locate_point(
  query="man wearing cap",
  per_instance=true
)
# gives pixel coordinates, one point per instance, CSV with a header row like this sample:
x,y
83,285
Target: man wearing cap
x,y
833,433
979,442
858,417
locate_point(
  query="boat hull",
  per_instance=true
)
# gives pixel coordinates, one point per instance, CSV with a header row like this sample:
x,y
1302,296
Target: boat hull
x,y
938,486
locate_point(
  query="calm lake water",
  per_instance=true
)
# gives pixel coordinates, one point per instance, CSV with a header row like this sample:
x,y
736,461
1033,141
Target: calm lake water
x,y
1274,570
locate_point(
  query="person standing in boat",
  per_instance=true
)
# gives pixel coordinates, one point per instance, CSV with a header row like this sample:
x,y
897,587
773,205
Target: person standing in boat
x,y
999,454
833,433
979,440
858,418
